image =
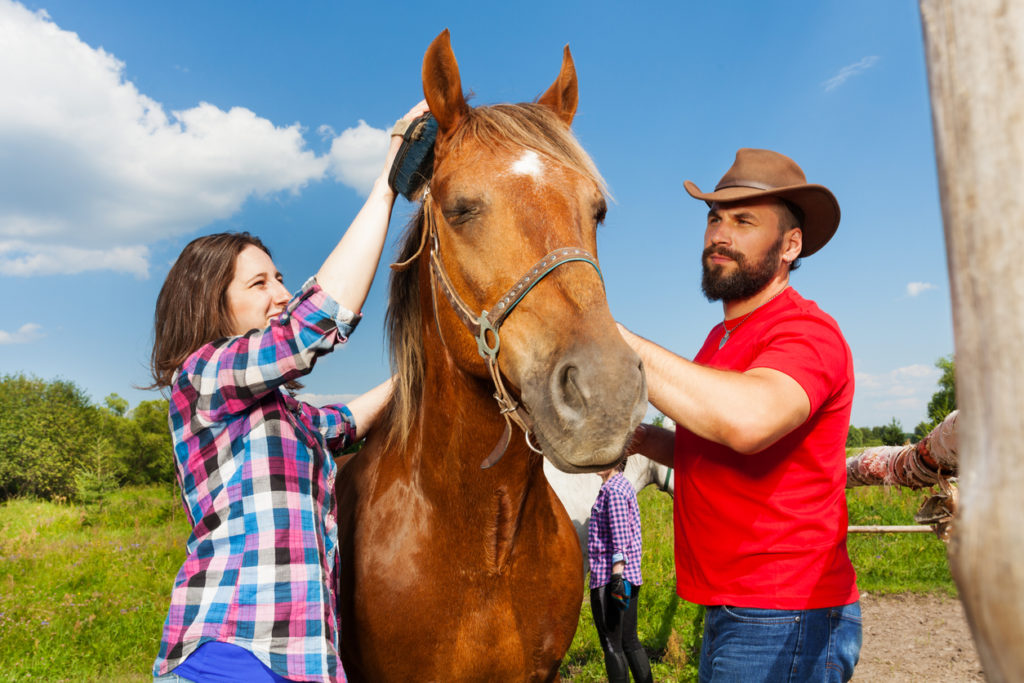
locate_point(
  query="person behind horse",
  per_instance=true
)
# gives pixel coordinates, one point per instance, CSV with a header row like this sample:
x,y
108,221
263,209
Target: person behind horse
x,y
614,548
762,415
256,596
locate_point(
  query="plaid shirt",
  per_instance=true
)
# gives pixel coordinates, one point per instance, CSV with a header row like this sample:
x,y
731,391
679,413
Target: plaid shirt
x,y
613,534
257,478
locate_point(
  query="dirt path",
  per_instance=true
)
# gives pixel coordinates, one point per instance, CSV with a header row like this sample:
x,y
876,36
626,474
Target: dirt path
x,y
915,638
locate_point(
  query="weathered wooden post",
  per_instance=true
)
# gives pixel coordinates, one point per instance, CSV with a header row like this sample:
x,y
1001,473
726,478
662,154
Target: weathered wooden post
x,y
975,52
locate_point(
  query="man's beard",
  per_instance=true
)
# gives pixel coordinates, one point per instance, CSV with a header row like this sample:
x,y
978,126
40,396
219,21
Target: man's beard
x,y
743,283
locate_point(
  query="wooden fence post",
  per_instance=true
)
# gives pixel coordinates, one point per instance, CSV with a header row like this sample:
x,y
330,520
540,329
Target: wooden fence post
x,y
975,54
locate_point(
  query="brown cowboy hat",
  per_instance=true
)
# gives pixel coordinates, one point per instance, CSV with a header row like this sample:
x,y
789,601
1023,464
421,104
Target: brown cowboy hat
x,y
764,173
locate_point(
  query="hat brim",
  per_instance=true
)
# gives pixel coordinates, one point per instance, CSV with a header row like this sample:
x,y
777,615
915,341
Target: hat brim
x,y
821,210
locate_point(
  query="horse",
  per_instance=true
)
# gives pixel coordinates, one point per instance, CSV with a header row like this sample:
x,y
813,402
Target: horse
x,y
456,560
577,492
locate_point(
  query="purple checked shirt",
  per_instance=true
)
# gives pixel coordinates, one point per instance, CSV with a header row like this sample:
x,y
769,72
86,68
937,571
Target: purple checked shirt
x,y
257,479
614,532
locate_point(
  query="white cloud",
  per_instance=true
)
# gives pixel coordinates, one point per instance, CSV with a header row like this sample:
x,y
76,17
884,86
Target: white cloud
x,y
25,259
902,393
29,332
850,71
93,165
356,156
915,288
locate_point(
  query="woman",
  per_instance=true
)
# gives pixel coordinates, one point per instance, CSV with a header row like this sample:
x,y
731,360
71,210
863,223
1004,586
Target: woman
x,y
614,549
255,599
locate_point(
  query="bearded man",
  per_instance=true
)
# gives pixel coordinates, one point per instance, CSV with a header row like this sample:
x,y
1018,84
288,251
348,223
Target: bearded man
x,y
761,415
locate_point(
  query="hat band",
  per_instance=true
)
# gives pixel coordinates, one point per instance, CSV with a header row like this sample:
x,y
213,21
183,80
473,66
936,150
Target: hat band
x,y
746,183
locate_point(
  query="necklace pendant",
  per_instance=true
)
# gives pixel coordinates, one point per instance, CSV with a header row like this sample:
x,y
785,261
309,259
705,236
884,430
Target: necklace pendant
x,y
725,338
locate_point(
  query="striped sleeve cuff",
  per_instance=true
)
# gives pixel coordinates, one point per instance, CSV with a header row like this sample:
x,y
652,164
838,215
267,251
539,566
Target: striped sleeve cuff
x,y
345,320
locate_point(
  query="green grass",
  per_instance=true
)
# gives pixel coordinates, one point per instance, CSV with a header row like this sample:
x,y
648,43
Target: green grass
x,y
669,628
895,563
84,591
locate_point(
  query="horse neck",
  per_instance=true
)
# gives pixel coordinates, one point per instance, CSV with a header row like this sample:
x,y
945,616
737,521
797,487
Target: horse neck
x,y
457,426
644,472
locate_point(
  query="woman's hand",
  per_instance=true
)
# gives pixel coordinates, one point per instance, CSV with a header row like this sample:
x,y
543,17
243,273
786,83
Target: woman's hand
x,y
419,110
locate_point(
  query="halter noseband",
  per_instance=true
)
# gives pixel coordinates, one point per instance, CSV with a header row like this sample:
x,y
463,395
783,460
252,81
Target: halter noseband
x,y
484,327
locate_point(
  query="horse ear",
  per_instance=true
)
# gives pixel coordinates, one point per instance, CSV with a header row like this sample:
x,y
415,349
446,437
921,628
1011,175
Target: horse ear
x,y
564,94
442,86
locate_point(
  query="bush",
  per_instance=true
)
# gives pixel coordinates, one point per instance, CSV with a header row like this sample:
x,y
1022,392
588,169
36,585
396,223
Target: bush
x,y
54,444
47,429
141,449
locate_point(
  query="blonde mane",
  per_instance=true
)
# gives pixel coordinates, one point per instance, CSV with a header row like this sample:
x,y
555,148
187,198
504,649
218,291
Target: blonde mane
x,y
497,127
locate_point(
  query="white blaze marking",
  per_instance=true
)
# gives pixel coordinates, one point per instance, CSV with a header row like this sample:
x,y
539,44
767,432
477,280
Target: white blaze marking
x,y
528,164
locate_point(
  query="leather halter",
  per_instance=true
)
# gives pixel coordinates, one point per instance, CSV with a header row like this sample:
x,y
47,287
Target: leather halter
x,y
484,327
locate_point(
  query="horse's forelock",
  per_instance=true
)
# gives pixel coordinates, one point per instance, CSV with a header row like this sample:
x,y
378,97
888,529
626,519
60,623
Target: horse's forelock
x,y
530,125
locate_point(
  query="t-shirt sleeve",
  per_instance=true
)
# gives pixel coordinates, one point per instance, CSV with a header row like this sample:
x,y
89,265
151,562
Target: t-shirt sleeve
x,y
810,351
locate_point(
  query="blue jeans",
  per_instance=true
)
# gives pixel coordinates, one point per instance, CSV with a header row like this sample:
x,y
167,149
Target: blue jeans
x,y
751,644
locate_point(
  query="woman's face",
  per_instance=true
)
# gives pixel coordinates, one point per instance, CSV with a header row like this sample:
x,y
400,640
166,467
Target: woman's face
x,y
256,293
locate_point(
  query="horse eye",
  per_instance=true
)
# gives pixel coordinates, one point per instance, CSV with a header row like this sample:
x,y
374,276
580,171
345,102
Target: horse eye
x,y
462,211
600,212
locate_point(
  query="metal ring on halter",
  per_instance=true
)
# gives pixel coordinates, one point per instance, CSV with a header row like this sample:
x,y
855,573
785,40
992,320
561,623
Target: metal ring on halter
x,y
482,346
530,443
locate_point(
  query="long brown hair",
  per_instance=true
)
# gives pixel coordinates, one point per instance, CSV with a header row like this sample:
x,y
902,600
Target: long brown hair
x,y
192,309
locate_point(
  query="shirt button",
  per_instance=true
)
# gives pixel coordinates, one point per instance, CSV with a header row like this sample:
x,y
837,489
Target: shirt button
x,y
330,519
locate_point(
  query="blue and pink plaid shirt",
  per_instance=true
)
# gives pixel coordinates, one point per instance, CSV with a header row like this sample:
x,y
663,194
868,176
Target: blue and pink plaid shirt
x,y
614,532
257,478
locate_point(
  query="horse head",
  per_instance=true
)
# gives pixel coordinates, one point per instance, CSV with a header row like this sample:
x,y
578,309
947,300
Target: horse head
x,y
509,221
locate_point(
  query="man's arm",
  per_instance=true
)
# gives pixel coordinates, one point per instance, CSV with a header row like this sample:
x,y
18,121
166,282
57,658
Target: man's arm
x,y
657,443
746,411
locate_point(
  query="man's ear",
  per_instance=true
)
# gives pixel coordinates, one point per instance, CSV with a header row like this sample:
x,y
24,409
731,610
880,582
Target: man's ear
x,y
792,244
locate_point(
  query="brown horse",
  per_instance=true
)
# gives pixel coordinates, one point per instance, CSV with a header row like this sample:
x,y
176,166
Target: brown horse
x,y
450,570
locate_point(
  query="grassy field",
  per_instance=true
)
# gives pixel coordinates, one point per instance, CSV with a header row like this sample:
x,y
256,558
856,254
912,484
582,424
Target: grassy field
x,y
83,591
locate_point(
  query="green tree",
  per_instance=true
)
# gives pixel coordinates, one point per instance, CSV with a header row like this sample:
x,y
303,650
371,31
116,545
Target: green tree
x,y
854,438
47,429
116,405
892,434
943,401
140,446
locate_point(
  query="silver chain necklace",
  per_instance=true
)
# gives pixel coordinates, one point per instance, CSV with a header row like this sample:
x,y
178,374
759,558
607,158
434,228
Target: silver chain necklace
x,y
725,337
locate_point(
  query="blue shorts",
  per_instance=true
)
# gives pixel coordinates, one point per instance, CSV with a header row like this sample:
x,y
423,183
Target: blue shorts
x,y
751,644
215,662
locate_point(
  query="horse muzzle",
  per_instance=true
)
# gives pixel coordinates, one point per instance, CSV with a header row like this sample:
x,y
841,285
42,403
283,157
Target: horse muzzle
x,y
586,406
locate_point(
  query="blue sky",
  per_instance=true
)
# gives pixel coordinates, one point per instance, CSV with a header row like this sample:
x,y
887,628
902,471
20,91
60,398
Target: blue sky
x,y
129,128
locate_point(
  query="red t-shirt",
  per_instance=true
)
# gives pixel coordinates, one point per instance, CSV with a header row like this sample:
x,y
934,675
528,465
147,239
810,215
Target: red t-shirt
x,y
768,530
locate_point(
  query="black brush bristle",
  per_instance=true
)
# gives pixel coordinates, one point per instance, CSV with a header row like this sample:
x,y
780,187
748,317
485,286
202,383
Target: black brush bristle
x,y
414,163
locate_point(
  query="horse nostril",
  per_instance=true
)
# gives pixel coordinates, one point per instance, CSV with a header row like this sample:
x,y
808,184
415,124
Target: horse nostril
x,y
573,402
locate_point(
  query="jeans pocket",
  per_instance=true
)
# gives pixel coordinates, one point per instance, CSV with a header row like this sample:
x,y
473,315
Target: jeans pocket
x,y
845,640
757,615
